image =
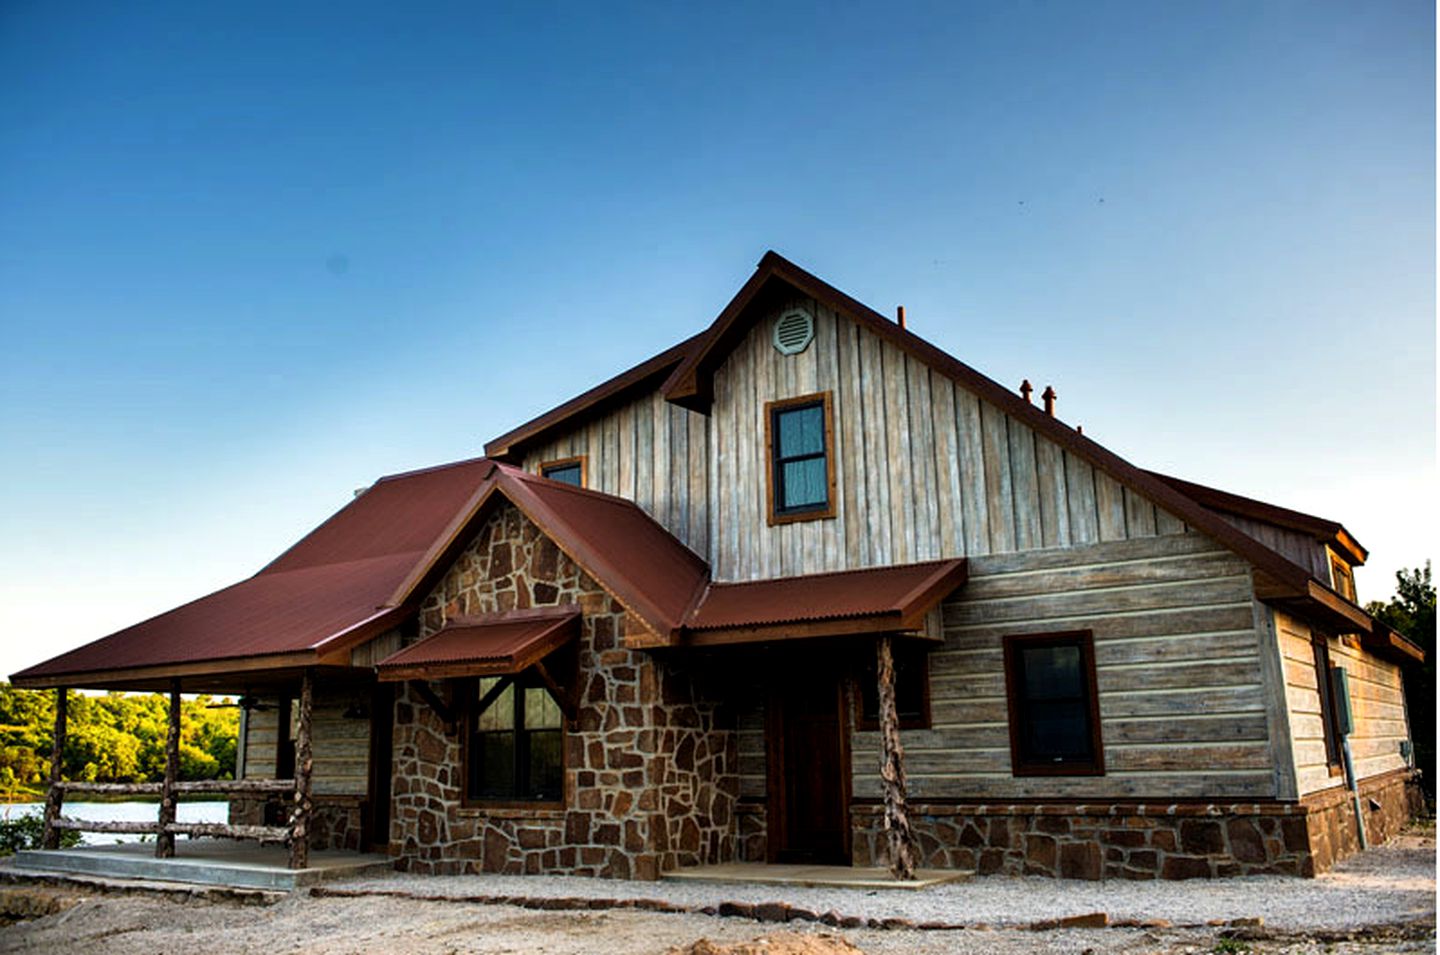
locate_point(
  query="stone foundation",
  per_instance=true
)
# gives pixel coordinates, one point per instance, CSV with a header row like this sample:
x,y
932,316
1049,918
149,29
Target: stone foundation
x,y
337,822
650,760
1145,841
1331,816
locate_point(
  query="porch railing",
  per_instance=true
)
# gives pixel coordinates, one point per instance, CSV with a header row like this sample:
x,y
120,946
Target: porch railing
x,y
219,787
166,828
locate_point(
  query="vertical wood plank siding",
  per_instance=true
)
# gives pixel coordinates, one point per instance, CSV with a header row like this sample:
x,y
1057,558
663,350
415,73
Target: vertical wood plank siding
x,y
925,469
1377,703
1182,704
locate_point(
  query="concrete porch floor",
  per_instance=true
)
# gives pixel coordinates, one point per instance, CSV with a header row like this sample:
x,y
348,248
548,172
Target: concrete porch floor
x,y
813,876
202,862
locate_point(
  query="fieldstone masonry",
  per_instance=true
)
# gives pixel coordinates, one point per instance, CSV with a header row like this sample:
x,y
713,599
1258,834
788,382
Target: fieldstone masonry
x,y
650,761
1181,841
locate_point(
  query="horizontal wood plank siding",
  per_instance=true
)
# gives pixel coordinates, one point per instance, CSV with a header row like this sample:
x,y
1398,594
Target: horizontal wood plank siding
x,y
341,746
1377,702
1182,703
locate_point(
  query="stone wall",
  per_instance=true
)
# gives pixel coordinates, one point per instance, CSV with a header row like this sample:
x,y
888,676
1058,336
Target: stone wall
x,y
1136,841
1388,801
649,763
337,821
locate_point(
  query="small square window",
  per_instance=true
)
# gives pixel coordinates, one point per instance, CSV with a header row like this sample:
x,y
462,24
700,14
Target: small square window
x,y
912,689
565,470
1054,710
801,475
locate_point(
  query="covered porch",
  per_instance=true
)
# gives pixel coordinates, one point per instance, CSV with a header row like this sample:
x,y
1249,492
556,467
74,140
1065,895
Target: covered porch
x,y
204,861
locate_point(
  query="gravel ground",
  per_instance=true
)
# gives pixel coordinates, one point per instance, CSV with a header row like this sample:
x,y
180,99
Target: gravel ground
x,y
1386,886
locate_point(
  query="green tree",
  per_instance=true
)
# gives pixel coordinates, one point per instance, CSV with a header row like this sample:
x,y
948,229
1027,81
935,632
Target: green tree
x,y
1412,612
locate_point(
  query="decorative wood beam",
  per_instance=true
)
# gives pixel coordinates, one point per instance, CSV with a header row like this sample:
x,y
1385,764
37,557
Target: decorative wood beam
x,y
566,698
55,798
899,839
304,765
445,711
165,841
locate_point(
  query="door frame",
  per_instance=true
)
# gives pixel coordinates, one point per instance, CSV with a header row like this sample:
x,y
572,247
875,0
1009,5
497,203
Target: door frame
x,y
776,811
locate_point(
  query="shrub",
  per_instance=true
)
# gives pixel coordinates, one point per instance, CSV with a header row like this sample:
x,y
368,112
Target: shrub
x,y
25,832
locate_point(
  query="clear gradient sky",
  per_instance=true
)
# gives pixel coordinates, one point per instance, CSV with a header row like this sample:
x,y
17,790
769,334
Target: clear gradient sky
x,y
252,258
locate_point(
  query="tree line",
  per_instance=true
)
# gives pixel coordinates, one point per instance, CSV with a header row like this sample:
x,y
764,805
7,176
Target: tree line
x,y
116,737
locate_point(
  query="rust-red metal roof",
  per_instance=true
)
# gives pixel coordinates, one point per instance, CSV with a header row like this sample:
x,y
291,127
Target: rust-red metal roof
x,y
330,589
900,591
492,644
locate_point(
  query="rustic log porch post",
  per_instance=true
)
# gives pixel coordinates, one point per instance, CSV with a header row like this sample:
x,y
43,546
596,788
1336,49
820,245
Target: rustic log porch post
x,y
165,841
300,818
898,837
55,798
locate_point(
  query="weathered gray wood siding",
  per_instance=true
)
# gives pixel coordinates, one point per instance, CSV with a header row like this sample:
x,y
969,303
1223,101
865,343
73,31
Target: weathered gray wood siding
x,y
1377,701
1177,652
1301,548
648,451
924,469
341,747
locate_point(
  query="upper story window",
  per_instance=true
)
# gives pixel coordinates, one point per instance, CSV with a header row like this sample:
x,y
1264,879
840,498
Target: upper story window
x,y
1341,578
514,747
800,441
1054,709
567,470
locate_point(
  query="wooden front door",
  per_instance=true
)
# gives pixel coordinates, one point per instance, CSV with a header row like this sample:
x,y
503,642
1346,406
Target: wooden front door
x,y
809,773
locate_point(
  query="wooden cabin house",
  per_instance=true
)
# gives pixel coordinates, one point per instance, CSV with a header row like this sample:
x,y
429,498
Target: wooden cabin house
x,y
640,633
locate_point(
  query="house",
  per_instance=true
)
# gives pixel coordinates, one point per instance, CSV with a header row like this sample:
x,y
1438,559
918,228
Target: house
x,y
641,633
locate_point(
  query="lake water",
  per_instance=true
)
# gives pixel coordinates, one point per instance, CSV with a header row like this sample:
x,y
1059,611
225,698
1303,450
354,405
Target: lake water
x,y
121,812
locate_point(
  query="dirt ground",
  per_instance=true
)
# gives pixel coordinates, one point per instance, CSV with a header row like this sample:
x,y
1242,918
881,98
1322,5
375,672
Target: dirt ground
x,y
77,920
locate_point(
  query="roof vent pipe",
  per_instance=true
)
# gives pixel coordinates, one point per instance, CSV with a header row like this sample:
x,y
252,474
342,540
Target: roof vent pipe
x,y
1025,389
1049,396
900,315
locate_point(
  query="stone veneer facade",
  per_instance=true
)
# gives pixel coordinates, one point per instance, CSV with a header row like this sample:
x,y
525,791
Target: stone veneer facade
x,y
1138,841
650,761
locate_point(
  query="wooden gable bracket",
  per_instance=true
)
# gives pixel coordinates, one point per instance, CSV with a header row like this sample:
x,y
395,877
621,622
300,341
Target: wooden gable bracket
x,y
446,711
562,679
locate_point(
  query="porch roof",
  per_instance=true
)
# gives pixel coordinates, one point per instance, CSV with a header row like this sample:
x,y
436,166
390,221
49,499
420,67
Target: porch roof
x,y
874,599
493,645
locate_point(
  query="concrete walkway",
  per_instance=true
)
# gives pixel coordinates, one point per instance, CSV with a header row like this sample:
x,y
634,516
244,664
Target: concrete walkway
x,y
202,862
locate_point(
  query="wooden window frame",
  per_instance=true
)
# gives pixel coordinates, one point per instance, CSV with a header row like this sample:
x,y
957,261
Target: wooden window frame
x,y
579,459
1342,578
469,690
1085,641
923,722
1334,748
772,478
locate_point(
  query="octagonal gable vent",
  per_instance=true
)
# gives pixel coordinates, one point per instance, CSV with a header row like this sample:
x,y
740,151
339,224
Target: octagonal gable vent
x,y
794,331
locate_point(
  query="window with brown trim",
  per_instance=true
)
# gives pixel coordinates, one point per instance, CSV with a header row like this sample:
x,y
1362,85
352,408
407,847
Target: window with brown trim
x,y
799,442
912,689
566,470
1341,578
1320,648
514,742
1054,708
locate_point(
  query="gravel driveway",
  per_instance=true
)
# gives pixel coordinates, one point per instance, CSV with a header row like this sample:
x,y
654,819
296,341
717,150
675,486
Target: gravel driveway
x,y
1392,885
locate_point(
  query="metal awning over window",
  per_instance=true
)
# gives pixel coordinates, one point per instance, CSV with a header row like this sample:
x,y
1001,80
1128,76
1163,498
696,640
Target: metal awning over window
x,y
490,645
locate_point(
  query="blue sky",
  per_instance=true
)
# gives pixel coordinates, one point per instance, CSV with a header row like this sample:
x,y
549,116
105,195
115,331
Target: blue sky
x,y
253,257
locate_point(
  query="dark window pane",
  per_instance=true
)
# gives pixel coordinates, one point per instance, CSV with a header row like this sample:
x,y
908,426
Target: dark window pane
x,y
1052,672
1058,731
802,431
803,483
546,771
910,674
567,473
492,766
